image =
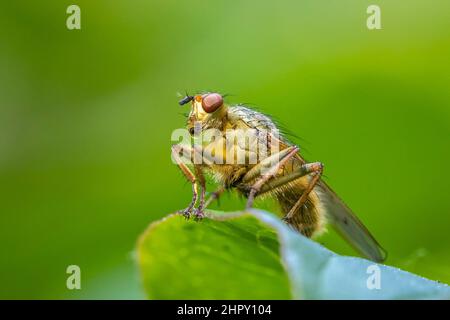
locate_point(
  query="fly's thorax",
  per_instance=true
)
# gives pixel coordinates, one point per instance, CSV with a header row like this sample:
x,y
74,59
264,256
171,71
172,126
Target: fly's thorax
x,y
234,146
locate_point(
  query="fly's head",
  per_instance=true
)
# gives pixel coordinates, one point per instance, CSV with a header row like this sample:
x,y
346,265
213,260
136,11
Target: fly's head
x,y
207,111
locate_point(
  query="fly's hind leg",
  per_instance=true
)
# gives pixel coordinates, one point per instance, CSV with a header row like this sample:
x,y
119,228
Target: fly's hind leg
x,y
317,169
314,168
303,170
282,156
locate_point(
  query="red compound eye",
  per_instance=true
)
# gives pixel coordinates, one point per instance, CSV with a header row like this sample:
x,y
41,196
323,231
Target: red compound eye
x,y
211,102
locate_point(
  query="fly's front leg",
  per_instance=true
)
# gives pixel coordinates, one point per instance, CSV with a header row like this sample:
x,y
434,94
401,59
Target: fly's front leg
x,y
282,157
195,156
176,149
187,211
199,212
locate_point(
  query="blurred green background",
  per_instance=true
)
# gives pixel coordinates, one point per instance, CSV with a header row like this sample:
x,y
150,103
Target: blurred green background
x,y
86,118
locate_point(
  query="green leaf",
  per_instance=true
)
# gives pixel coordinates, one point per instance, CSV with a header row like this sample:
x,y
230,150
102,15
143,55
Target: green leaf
x,y
254,255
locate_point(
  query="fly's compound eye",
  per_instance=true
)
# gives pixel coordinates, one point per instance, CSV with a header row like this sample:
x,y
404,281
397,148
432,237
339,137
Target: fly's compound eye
x,y
211,102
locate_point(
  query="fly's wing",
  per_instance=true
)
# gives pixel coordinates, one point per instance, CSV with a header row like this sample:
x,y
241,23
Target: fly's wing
x,y
348,225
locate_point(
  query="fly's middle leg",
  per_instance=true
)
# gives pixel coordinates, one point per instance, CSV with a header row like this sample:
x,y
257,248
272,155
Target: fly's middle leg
x,y
215,196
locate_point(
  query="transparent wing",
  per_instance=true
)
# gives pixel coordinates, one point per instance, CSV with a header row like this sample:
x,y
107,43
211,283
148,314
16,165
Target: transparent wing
x,y
348,225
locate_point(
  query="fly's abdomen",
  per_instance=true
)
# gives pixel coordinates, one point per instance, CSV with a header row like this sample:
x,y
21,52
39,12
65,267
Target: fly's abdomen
x,y
307,219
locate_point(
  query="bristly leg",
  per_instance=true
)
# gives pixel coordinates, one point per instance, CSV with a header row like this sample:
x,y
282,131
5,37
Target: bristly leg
x,y
197,178
176,149
199,212
316,169
187,212
284,156
215,196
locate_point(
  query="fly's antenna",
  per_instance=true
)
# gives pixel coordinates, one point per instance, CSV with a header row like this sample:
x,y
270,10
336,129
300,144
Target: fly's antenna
x,y
186,99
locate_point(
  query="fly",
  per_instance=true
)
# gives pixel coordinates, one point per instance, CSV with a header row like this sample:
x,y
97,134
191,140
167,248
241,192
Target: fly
x,y
306,201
